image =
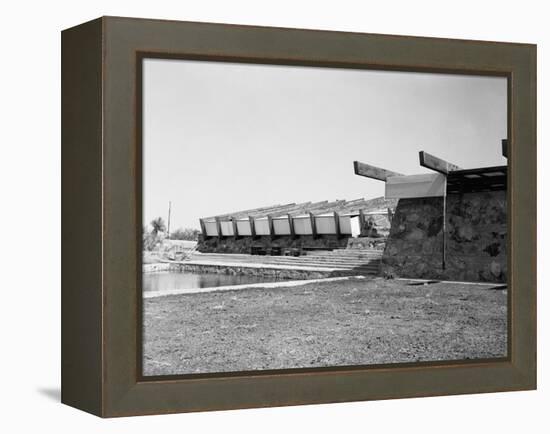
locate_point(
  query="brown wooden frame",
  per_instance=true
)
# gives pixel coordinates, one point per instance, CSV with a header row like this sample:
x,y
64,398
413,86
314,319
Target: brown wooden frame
x,y
101,192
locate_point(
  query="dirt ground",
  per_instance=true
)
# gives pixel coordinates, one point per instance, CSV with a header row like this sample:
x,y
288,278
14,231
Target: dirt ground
x,y
330,324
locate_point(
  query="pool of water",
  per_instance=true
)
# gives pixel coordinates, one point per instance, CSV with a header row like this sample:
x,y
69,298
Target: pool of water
x,y
180,281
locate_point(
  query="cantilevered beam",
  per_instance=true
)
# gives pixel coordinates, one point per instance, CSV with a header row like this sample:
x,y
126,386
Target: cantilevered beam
x,y
505,148
432,162
363,169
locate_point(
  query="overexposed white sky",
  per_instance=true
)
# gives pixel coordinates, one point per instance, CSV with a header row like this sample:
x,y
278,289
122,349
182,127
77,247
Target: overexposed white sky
x,y
222,137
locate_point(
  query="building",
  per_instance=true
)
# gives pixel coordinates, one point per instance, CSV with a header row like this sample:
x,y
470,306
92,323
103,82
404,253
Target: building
x,y
304,226
451,224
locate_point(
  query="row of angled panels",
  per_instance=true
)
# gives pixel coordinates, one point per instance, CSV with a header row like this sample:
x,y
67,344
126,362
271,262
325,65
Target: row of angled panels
x,y
325,225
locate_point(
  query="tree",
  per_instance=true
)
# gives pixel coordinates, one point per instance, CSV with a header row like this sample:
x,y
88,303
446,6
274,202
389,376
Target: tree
x,y
185,234
149,241
158,225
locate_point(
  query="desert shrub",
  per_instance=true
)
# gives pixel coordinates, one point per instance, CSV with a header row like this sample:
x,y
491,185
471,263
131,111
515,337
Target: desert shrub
x,y
150,241
185,234
389,275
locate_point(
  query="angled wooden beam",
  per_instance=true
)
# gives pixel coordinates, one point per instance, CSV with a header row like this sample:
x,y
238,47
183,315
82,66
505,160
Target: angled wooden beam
x,y
219,227
291,226
313,225
337,224
432,162
203,228
505,148
252,227
270,225
363,169
235,227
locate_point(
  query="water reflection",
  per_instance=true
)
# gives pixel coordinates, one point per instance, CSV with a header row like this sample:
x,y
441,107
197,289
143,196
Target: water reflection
x,y
172,281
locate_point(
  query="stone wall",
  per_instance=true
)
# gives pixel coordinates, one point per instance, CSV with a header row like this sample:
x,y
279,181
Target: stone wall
x,y
265,271
476,236
156,267
243,245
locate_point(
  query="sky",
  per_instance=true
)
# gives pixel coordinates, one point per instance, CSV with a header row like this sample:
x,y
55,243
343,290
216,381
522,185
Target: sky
x,y
221,137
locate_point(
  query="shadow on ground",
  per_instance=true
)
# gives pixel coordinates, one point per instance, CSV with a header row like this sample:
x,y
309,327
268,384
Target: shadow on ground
x,y
52,393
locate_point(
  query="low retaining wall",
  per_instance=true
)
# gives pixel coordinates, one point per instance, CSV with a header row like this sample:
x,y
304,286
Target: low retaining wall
x,y
476,236
278,273
243,245
328,242
158,266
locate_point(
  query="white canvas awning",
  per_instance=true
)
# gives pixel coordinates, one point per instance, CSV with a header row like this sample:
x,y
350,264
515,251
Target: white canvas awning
x,y
409,186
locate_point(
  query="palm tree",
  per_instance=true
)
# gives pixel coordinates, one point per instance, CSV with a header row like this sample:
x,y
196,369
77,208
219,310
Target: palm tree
x,y
158,225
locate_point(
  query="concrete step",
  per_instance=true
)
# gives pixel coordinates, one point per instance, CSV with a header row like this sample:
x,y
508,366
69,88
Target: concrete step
x,y
281,260
360,262
372,265
294,258
325,264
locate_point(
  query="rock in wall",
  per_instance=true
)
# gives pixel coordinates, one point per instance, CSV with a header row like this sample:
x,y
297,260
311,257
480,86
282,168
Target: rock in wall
x,y
476,236
243,245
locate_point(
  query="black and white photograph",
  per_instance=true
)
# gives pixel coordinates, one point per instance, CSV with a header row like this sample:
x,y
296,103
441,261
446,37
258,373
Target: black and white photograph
x,y
308,217
275,217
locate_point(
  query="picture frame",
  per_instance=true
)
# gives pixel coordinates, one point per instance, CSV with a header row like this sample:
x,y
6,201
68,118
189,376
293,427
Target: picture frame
x,y
101,191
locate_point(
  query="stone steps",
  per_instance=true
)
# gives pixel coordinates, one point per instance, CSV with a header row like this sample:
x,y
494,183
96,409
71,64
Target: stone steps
x,y
362,262
353,261
368,255
291,259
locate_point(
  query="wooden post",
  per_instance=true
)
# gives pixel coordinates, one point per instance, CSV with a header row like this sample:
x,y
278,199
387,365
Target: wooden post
x,y
361,222
252,227
218,227
445,168
313,225
203,228
235,227
337,224
291,226
270,226
444,228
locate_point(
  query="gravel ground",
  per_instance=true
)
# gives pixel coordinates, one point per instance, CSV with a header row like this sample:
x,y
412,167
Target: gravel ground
x,y
354,322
